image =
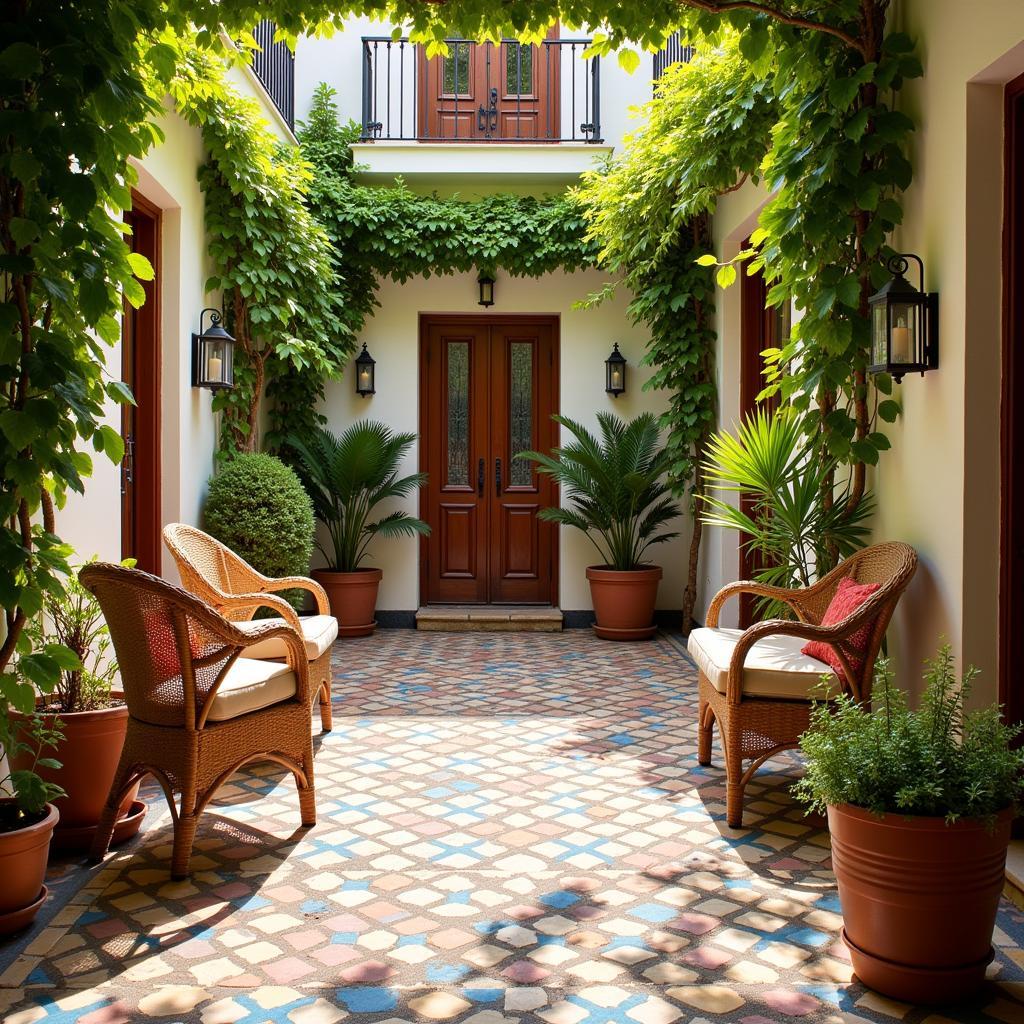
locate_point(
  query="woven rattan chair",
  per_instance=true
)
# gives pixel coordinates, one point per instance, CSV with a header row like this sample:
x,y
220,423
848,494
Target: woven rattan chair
x,y
197,711
757,685
213,572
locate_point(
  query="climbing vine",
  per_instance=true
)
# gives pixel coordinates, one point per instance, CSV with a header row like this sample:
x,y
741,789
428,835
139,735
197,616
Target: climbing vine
x,y
274,264
705,131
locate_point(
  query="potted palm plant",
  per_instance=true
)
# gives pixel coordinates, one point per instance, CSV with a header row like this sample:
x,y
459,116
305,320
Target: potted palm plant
x,y
617,497
794,534
87,713
27,815
347,476
919,806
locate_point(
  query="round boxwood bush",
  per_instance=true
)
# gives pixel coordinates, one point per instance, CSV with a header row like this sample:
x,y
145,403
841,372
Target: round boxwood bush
x,y
258,508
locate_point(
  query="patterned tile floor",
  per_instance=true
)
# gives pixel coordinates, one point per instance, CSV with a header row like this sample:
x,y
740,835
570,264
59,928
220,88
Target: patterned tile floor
x,y
513,827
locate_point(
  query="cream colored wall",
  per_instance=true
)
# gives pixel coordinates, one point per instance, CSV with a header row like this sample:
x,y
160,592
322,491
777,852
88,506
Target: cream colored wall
x,y
586,340
167,178
938,487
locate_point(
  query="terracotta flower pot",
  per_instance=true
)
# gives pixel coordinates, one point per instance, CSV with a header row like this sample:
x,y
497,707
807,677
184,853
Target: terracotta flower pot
x,y
624,601
88,755
23,855
919,900
353,597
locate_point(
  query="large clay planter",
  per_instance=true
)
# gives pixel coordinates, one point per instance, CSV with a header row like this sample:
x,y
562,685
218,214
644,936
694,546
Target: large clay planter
x,y
919,900
353,597
88,756
624,601
23,855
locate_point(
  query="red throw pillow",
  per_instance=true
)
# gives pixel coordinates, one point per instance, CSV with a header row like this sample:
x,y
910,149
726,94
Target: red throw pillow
x,y
849,596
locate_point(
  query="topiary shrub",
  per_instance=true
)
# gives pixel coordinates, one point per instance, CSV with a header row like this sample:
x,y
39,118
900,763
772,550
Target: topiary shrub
x,y
258,508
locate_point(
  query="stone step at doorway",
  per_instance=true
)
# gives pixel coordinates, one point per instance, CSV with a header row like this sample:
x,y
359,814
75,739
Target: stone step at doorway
x,y
489,618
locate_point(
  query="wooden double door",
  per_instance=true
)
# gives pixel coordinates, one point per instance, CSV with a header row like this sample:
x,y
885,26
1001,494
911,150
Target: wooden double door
x,y
489,386
482,91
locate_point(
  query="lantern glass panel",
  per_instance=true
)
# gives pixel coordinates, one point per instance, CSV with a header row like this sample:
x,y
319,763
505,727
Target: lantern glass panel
x,y
365,377
879,336
615,376
904,318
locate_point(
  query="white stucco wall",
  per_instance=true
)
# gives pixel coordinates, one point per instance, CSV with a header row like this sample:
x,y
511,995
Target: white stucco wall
x,y
586,339
167,178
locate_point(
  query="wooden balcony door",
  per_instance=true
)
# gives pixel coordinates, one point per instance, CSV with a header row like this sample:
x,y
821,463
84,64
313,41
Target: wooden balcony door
x,y
489,386
140,423
481,92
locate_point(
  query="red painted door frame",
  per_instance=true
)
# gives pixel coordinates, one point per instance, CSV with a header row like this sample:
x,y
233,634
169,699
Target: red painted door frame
x,y
140,424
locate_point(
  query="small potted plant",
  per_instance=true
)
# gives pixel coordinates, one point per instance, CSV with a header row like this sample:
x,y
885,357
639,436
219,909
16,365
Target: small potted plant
x,y
919,806
86,712
347,477
27,817
618,497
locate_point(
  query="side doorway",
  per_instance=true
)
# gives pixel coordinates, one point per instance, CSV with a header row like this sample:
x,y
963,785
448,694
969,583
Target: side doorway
x,y
140,423
489,386
761,327
1011,590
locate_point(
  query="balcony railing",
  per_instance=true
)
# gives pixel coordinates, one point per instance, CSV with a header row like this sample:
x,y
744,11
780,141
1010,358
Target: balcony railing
x,y
673,52
274,64
483,92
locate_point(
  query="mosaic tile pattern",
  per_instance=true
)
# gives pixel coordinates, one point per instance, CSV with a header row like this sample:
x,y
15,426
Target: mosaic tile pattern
x,y
512,827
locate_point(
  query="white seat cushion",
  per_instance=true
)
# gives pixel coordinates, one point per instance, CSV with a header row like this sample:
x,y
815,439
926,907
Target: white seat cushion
x,y
774,666
249,686
318,632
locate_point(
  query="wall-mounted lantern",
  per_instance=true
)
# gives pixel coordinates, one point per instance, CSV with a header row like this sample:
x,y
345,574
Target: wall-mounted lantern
x,y
213,360
486,284
904,323
365,364
615,373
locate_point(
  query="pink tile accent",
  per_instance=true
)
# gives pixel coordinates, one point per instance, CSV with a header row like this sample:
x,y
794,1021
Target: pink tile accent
x,y
525,972
370,970
707,956
287,970
696,924
793,1004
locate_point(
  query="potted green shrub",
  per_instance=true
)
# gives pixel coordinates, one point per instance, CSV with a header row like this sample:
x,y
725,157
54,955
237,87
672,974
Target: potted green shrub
x,y
919,806
86,712
347,476
257,507
27,817
617,497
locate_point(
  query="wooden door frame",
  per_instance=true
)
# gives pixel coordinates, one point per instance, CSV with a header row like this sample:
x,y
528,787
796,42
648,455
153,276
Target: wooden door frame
x,y
1011,602
424,320
758,331
148,410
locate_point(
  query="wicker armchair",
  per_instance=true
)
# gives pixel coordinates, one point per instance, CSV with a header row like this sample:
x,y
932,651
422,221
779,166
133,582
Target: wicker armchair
x,y
197,711
213,572
757,685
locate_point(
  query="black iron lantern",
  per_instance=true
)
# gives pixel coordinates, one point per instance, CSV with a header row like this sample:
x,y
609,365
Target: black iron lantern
x,y
213,359
486,285
364,373
904,323
615,373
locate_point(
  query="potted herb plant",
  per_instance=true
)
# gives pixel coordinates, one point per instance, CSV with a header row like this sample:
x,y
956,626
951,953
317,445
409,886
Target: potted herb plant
x,y
27,817
919,806
87,713
617,497
347,476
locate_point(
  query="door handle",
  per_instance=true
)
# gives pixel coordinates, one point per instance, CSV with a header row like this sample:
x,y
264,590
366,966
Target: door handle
x,y
497,476
480,479
493,111
128,463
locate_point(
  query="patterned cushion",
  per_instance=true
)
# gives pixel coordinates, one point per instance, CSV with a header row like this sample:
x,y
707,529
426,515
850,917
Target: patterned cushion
x,y
849,596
